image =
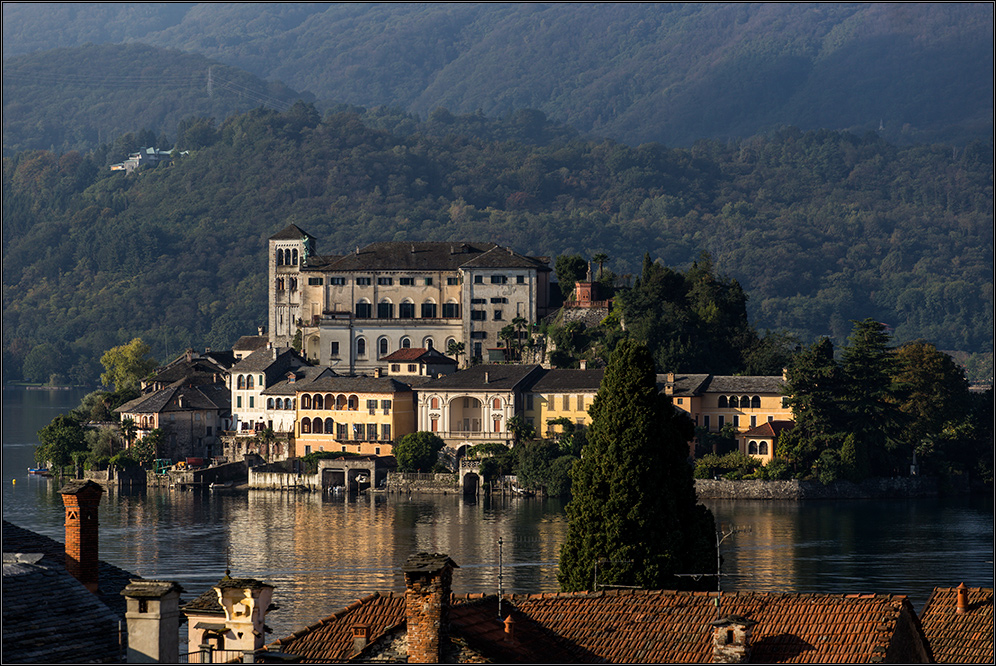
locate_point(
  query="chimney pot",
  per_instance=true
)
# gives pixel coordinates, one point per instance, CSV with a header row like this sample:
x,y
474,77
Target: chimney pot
x,y
361,636
82,500
584,364
428,579
962,607
509,628
486,378
376,372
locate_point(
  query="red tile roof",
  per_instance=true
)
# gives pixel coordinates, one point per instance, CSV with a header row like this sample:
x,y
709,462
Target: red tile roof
x,y
644,627
768,429
960,638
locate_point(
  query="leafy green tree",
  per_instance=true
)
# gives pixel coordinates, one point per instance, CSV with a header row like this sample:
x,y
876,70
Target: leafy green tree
x,y
150,447
520,429
455,349
932,397
59,440
126,365
418,451
633,512
600,258
570,269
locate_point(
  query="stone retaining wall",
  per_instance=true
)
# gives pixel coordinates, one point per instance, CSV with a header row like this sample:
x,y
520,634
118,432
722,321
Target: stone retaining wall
x,y
916,486
409,482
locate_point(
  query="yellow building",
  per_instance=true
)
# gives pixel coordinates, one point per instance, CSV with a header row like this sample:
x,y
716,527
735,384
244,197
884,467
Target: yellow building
x,y
561,394
714,401
364,415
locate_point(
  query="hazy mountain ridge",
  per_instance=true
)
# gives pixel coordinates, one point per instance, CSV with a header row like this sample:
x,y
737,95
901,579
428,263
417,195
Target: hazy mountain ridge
x,y
672,73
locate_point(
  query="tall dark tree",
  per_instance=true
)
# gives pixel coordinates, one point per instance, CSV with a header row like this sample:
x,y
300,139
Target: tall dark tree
x,y
569,269
872,415
634,514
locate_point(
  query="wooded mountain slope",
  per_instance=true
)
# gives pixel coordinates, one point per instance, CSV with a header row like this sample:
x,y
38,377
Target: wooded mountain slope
x,y
820,227
79,98
636,72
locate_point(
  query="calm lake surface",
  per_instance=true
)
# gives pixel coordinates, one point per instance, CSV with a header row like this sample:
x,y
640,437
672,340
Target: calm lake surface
x,y
321,554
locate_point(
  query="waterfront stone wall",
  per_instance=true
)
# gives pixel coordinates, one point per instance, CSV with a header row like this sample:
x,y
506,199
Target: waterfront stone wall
x,y
794,489
412,482
112,476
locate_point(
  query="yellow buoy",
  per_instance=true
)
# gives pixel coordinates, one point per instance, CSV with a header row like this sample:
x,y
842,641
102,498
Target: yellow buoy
x,y
14,481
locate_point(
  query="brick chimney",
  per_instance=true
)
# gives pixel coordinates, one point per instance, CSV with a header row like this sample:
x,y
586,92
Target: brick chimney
x,y
82,499
153,616
962,606
427,602
361,636
731,640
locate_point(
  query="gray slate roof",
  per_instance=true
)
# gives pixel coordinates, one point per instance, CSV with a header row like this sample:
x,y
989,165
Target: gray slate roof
x,y
684,384
567,381
733,384
207,397
277,360
49,617
427,256
111,579
499,377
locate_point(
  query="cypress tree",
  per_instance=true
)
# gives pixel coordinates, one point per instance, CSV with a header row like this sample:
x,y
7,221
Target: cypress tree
x,y
634,510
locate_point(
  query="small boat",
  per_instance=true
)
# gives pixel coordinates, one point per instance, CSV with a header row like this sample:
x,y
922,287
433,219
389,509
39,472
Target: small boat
x,y
219,486
40,471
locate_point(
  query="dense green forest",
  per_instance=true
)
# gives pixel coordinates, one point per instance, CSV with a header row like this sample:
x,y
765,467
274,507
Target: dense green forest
x,y
635,72
818,228
79,98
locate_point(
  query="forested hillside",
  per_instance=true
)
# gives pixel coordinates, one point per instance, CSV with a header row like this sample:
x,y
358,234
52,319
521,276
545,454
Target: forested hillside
x,y
819,228
667,72
79,98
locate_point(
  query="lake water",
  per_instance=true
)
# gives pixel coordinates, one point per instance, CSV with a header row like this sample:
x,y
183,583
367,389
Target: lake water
x,y
321,554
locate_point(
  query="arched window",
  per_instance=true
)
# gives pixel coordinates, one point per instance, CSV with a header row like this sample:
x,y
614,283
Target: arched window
x,y
329,426
305,401
451,309
305,425
762,448
382,346
385,309
434,403
361,347
294,257
340,402
406,343
363,309
755,402
269,403
318,402
496,403
752,448
280,257
249,382
428,344
316,426
406,309
353,403
242,381
722,402
428,310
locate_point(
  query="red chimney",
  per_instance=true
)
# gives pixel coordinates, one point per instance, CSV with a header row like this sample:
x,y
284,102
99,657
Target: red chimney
x,y
427,603
962,607
82,499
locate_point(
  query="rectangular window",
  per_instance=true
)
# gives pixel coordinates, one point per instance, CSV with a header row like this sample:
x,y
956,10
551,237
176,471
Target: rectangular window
x,y
341,431
406,282
720,422
315,281
386,406
372,406
478,301
705,421
334,349
580,403
385,311
386,281
363,310
406,310
395,367
529,421
478,335
385,432
358,430
498,279
363,282
477,315
499,299
428,311
753,421
377,451
529,401
428,282
478,279
497,315
680,401
252,402
337,281
770,419
412,367
520,279
207,431
238,401
451,310
307,449
567,403
736,420
372,432
450,281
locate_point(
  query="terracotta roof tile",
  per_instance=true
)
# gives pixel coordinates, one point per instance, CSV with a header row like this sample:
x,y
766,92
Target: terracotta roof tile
x,y
960,637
